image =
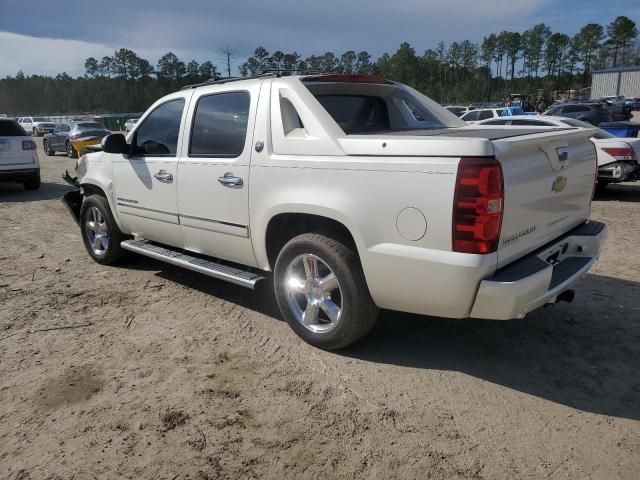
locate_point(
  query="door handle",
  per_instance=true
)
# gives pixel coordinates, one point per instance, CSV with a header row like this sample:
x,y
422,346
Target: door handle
x,y
163,176
231,181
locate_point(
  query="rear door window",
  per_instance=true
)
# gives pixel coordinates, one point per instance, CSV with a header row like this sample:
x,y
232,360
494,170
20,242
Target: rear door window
x,y
485,114
11,128
220,125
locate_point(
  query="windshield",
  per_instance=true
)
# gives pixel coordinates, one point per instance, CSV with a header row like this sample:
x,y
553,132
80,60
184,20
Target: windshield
x,y
360,108
41,119
89,126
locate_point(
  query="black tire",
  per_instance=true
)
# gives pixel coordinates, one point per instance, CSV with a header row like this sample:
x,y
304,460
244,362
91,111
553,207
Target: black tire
x,y
71,152
112,251
358,311
47,149
33,183
600,188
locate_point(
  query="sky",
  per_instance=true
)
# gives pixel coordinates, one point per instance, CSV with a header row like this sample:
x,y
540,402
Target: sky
x,y
48,37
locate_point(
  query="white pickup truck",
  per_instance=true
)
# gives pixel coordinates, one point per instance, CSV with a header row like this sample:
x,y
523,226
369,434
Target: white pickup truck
x,y
356,192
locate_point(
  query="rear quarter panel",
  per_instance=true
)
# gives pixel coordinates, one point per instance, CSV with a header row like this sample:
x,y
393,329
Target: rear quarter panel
x,y
366,194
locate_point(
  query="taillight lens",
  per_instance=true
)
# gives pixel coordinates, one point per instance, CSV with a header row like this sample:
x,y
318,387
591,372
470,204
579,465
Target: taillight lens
x,y
28,145
620,153
477,207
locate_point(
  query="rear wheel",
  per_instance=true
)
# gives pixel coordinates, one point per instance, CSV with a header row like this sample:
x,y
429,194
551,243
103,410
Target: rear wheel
x,y
71,152
33,183
322,293
100,232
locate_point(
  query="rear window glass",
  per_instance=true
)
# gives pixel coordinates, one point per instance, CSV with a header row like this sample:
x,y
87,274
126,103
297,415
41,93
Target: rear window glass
x,y
357,113
11,128
363,108
88,125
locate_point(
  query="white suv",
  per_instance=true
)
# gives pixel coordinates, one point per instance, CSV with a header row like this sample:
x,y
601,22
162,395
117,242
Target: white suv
x,y
18,157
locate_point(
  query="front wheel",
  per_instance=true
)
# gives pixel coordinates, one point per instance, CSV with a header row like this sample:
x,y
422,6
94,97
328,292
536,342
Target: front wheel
x,y
47,149
322,293
100,232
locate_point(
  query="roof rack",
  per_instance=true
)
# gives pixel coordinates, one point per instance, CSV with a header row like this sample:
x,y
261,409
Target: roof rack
x,y
279,71
220,80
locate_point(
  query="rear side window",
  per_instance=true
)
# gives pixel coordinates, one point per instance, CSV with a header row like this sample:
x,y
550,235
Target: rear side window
x,y
575,109
357,113
471,116
220,125
11,128
158,134
485,114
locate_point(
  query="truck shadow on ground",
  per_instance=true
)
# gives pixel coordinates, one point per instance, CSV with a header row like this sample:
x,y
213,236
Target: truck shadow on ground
x,y
15,192
585,355
620,192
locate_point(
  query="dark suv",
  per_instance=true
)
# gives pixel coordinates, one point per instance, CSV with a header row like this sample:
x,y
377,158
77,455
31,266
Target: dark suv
x,y
593,113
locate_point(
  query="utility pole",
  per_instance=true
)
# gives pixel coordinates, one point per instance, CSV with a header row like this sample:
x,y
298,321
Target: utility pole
x,y
228,53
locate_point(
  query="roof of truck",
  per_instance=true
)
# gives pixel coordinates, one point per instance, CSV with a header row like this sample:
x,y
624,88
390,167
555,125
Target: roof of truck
x,y
305,77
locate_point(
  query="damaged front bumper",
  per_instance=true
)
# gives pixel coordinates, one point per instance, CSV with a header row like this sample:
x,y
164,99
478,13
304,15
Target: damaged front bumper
x,y
73,199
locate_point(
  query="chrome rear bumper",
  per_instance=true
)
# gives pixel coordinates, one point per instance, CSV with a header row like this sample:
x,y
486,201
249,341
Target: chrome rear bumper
x,y
541,277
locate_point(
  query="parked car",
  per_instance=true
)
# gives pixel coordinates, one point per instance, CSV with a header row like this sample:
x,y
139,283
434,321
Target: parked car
x,y
363,194
65,134
37,126
458,111
129,124
618,158
19,160
480,114
593,113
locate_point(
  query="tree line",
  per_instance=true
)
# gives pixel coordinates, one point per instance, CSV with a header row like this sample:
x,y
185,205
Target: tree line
x,y
506,62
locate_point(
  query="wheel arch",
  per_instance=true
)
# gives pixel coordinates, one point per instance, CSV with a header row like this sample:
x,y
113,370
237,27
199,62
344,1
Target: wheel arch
x,y
285,225
91,186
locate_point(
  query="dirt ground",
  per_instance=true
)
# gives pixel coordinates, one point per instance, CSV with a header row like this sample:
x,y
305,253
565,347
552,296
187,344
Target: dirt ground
x,y
166,374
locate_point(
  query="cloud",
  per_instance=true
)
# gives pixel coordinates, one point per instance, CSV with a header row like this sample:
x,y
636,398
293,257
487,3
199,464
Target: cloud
x,y
45,55
198,28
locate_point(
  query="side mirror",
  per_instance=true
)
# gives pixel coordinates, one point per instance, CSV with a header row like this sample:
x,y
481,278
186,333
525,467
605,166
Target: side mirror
x,y
115,143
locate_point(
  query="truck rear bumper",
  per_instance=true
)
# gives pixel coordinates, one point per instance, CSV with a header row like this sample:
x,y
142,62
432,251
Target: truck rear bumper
x,y
539,278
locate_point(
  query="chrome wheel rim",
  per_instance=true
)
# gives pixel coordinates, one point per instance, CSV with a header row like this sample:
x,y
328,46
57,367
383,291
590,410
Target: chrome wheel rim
x,y
314,293
96,231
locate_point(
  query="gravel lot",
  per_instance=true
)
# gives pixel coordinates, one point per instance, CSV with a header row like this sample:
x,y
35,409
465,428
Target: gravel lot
x,y
166,374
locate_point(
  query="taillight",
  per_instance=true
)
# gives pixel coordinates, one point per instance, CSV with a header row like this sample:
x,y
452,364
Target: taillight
x,y
28,145
621,153
477,205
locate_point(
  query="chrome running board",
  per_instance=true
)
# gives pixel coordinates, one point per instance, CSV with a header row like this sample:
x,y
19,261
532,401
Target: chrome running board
x,y
206,267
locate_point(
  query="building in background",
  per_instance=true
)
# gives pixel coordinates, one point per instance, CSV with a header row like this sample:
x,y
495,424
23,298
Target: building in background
x,y
619,81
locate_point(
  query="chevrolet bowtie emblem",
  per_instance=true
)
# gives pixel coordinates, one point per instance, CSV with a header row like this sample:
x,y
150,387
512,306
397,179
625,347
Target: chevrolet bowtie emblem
x,y
559,183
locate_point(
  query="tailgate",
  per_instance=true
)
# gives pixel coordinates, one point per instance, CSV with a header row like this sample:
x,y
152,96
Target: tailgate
x,y
11,153
548,183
